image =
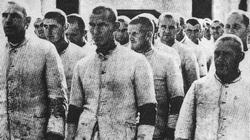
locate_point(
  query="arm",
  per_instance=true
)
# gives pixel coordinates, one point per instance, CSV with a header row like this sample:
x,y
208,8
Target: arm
x,y
56,87
75,104
174,85
191,70
186,121
146,101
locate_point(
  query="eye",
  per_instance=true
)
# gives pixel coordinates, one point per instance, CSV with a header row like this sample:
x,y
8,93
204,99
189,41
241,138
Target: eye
x,y
4,15
227,26
171,27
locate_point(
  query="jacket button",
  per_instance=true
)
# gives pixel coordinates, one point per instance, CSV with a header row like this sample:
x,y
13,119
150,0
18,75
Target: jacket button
x,y
103,72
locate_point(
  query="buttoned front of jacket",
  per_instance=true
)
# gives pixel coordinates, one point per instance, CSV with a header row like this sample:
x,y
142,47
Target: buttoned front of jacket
x,y
70,56
189,65
168,85
110,88
31,75
215,111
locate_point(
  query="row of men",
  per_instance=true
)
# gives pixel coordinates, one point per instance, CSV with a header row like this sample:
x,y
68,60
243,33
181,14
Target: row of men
x,y
113,83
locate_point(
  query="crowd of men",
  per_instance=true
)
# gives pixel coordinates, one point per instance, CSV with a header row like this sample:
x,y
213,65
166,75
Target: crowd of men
x,y
134,79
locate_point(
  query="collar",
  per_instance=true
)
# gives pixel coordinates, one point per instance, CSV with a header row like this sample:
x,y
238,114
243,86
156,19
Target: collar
x,y
148,52
226,84
106,54
12,46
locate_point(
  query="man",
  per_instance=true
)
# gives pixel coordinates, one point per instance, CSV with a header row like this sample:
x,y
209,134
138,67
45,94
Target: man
x,y
193,31
38,24
32,82
76,31
55,24
167,77
217,106
217,29
121,35
110,87
180,36
237,23
168,28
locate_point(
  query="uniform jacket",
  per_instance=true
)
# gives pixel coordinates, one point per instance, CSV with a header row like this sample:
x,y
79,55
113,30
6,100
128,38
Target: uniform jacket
x,y
110,88
32,91
168,50
189,64
215,111
200,55
69,57
168,85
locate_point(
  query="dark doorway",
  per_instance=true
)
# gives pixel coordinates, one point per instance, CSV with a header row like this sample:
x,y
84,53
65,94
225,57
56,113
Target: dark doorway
x,y
68,6
132,13
243,5
202,8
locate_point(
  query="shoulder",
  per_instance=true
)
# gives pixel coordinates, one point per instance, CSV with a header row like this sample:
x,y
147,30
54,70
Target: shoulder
x,y
40,45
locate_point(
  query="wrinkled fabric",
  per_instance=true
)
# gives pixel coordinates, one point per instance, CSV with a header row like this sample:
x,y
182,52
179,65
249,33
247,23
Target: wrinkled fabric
x,y
69,57
168,85
200,55
110,89
189,65
168,50
33,91
215,111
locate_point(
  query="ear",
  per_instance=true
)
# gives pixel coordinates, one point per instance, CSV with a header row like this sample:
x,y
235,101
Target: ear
x,y
149,36
116,26
240,57
66,26
27,22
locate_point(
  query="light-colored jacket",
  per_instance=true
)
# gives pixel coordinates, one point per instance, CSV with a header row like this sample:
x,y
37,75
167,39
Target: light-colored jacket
x,y
168,85
110,89
69,57
32,91
189,64
215,111
200,55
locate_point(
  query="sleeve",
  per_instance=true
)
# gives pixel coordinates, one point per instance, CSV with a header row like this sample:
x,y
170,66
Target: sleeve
x,y
191,70
174,85
75,104
144,83
56,87
202,63
186,121
145,94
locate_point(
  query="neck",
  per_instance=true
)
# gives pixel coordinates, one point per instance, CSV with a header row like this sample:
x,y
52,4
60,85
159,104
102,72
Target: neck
x,y
170,42
104,49
82,43
147,46
61,45
16,39
230,77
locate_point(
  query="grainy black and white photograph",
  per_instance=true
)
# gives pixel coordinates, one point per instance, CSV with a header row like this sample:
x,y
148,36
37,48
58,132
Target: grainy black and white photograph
x,y
124,70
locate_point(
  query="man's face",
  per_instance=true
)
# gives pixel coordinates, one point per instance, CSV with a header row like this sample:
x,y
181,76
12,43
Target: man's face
x,y
136,36
39,28
13,20
167,30
216,30
193,32
53,30
225,58
101,29
207,33
74,34
236,26
121,35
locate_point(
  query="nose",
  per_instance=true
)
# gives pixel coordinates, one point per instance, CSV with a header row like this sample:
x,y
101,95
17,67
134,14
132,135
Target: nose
x,y
8,20
229,30
96,30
